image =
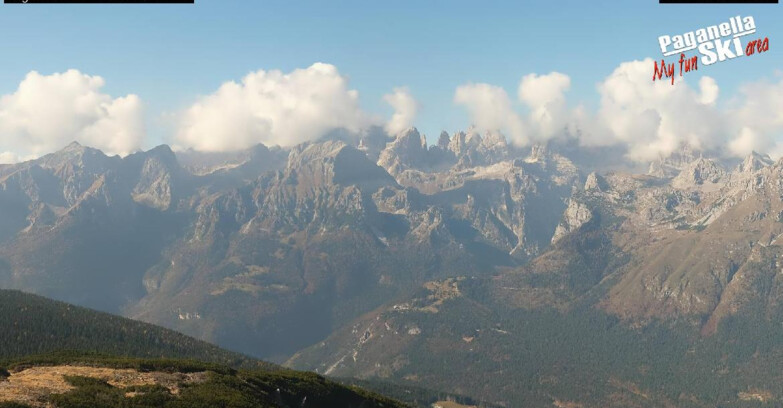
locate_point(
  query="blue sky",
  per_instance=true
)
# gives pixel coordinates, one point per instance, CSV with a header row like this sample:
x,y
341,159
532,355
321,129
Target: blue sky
x,y
171,54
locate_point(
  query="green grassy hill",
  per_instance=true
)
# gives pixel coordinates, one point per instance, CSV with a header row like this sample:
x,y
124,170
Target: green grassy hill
x,y
42,339
71,380
31,324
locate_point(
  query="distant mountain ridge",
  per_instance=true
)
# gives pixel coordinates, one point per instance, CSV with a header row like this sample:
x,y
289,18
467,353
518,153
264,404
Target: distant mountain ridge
x,y
285,253
203,235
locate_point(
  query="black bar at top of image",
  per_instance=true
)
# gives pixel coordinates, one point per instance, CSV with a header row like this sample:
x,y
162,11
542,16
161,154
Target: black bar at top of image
x,y
98,1
718,1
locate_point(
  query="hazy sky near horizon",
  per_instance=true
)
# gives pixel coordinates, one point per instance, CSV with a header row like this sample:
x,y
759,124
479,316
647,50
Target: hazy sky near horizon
x,y
167,63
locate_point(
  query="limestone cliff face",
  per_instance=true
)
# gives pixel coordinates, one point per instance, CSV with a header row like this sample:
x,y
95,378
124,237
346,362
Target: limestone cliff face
x,y
329,229
408,150
84,210
575,216
595,183
699,172
754,162
484,185
154,186
689,251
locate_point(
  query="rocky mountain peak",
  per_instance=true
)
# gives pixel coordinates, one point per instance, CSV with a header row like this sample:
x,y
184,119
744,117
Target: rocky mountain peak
x,y
164,153
698,172
233,168
458,143
312,152
575,216
494,147
74,155
538,153
543,157
443,140
596,183
327,163
158,169
408,150
410,140
671,165
472,149
494,139
754,162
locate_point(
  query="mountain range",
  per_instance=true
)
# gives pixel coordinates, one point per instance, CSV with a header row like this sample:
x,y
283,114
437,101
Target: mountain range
x,y
384,257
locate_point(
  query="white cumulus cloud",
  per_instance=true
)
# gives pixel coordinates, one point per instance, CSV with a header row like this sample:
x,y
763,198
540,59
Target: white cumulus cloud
x,y
709,90
46,112
542,90
655,118
405,109
758,113
545,96
746,142
651,119
762,107
490,109
273,108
